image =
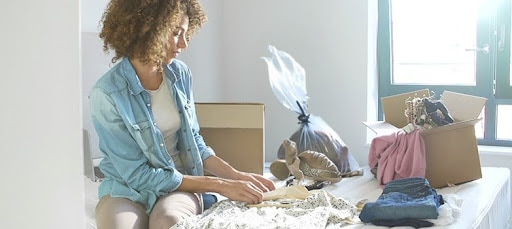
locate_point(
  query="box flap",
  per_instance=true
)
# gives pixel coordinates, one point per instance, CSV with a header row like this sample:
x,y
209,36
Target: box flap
x,y
381,127
462,106
394,106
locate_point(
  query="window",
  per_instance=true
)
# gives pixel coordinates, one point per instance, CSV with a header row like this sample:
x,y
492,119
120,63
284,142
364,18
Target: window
x,y
457,45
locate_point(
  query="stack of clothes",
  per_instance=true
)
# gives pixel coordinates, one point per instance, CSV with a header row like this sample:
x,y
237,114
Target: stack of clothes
x,y
404,202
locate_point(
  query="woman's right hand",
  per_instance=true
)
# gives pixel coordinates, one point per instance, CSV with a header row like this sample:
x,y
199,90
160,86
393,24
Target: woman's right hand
x,y
240,190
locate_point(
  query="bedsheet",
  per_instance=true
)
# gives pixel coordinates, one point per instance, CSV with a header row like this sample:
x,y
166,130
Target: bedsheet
x,y
486,202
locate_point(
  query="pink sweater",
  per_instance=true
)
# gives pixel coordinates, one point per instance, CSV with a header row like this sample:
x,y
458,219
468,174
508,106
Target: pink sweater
x,y
398,155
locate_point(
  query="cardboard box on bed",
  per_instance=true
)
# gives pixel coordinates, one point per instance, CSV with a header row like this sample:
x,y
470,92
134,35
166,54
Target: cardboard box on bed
x,y
236,132
451,150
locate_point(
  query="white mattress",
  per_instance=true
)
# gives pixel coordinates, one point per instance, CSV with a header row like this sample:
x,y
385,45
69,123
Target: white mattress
x,y
486,201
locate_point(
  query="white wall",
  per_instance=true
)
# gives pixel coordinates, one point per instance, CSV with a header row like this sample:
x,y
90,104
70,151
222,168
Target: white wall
x,y
41,137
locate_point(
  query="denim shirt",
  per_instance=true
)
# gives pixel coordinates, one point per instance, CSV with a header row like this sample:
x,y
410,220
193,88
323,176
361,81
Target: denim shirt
x,y
136,163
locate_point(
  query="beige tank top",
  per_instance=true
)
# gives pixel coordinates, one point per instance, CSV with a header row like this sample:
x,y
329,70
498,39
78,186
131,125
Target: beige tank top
x,y
167,119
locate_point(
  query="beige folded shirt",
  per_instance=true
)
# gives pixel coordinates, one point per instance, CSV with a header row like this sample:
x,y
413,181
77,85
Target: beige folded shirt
x,y
283,197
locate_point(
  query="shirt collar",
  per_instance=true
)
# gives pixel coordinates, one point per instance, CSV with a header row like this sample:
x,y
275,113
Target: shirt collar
x,y
134,82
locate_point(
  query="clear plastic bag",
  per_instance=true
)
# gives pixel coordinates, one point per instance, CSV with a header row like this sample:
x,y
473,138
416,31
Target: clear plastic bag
x,y
288,81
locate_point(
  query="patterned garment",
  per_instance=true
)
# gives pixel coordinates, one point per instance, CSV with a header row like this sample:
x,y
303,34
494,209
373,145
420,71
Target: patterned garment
x,y
319,210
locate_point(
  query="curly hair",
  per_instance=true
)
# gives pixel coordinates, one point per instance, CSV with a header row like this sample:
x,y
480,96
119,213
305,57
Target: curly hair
x,y
141,28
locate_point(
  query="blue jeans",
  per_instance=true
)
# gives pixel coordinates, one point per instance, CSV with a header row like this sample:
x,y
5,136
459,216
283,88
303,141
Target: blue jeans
x,y
208,200
409,198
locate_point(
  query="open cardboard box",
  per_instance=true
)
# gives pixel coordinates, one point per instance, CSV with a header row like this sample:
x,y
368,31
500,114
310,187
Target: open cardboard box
x,y
236,133
451,150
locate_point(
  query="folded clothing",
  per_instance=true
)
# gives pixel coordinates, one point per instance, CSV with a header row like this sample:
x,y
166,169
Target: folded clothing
x,y
408,198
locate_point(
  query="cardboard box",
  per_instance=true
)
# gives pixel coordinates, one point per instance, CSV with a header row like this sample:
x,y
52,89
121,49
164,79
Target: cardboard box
x,y
236,132
451,150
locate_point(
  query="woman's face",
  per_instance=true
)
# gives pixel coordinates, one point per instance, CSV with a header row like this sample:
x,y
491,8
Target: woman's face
x,y
178,39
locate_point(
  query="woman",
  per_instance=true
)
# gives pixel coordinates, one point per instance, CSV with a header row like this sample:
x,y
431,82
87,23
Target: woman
x,y
143,112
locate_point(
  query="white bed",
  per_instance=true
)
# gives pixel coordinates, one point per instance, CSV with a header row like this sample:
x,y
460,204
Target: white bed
x,y
486,201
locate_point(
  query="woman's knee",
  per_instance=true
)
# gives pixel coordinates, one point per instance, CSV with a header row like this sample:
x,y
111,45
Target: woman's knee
x,y
170,209
164,218
112,213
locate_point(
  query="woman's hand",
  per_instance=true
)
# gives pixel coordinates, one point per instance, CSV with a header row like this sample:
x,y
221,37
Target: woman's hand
x,y
237,185
261,182
241,191
247,187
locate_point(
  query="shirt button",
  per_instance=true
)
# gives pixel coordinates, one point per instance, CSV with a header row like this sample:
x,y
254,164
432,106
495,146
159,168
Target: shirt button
x,y
149,104
161,144
154,124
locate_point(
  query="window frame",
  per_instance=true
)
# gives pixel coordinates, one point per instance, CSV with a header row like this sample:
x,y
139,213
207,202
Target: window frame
x,y
485,83
503,89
